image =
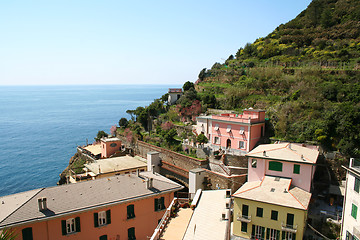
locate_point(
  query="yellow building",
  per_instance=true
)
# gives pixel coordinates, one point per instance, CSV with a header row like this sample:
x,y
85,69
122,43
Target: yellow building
x,y
270,209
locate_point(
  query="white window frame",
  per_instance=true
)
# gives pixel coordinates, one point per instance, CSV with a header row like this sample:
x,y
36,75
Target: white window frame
x,y
241,143
242,130
228,128
289,236
102,218
216,127
216,140
70,225
273,234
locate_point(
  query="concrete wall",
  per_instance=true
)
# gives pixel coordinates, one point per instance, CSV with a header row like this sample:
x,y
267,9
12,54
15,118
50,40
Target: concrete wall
x,y
145,221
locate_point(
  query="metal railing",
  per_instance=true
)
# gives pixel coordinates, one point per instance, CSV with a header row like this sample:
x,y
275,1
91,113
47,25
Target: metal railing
x,y
288,228
164,220
243,218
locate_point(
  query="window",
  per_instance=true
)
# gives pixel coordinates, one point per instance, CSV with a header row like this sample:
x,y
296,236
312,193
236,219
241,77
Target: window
x,y
70,225
274,215
159,203
243,226
130,211
253,163
288,236
296,169
242,130
259,212
27,234
290,219
216,127
216,140
131,234
272,234
241,144
258,232
103,237
275,166
357,185
245,210
102,218
354,211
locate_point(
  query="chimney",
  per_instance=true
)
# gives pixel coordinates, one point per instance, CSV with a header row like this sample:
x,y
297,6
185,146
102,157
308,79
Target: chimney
x,y
264,153
137,172
42,204
148,183
153,169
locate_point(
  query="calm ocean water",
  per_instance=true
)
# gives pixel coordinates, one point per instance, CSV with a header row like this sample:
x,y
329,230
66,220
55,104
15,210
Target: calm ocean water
x,y
41,126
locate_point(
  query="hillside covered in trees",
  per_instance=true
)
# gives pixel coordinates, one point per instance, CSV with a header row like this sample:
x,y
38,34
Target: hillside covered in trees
x,y
305,74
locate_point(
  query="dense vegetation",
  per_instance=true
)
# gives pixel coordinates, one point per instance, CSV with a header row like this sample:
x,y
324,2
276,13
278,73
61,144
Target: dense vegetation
x,y
305,74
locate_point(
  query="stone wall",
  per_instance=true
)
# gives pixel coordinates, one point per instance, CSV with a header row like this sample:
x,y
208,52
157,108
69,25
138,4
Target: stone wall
x,y
236,161
174,158
219,181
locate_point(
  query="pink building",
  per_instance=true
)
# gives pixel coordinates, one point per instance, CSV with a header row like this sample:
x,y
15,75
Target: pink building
x,y
289,160
109,146
237,133
119,207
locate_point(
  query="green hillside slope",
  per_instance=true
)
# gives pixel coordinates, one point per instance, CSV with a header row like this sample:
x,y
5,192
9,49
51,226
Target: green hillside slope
x,y
305,74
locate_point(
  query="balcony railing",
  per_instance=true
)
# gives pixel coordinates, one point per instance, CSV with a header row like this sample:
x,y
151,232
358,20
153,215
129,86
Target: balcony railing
x,y
243,218
288,228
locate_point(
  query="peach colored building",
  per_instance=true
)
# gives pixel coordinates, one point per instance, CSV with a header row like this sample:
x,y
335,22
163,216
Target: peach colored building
x,y
109,146
238,133
114,208
290,160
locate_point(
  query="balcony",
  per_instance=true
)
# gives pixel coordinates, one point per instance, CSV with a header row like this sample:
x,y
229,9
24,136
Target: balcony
x,y
288,228
243,218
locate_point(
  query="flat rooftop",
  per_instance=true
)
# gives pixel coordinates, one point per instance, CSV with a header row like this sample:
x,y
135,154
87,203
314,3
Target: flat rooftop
x,y
206,221
275,190
116,164
94,149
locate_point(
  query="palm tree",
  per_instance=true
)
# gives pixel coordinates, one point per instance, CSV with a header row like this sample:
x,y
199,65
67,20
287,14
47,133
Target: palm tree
x,y
7,234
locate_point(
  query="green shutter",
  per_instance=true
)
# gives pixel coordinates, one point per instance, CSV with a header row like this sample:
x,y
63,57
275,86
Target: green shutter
x,y
131,233
267,233
275,166
130,211
63,227
77,224
156,204
96,219
162,201
259,212
274,215
108,217
357,184
354,211
27,234
243,226
103,237
296,169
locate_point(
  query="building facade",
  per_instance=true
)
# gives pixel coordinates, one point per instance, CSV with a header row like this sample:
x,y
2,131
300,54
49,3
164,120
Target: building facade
x,y
270,209
119,207
290,160
350,227
174,95
237,133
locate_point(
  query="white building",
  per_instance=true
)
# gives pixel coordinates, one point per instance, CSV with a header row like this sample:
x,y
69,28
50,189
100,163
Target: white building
x,y
350,227
174,95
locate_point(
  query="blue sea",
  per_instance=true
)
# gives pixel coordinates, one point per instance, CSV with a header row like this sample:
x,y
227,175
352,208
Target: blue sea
x,y
41,126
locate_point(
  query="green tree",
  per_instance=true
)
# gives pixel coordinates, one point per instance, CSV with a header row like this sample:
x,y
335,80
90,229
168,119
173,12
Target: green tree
x,y
169,136
188,85
165,97
131,113
7,234
100,135
123,122
201,138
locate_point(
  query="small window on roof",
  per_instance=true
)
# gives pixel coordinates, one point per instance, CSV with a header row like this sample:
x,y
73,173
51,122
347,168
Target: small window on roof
x,y
216,127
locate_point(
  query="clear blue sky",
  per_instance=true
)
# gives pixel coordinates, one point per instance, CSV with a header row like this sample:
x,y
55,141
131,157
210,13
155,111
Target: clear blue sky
x,y
53,42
